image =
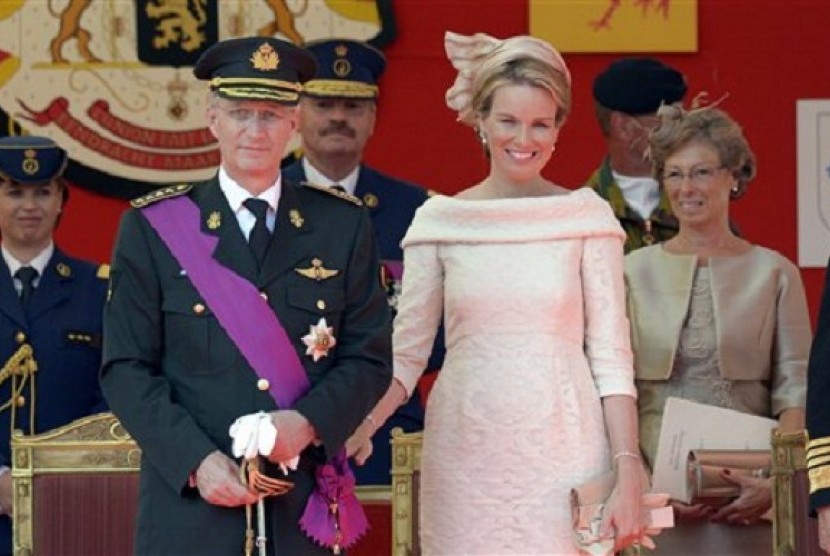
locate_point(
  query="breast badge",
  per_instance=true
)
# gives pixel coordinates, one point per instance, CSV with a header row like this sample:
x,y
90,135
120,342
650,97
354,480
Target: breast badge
x,y
317,271
319,340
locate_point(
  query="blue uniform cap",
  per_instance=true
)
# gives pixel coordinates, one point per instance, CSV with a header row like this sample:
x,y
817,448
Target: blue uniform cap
x,y
345,69
256,68
638,86
31,160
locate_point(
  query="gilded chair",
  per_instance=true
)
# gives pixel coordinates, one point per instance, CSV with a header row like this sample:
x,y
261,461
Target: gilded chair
x,y
406,472
75,489
794,532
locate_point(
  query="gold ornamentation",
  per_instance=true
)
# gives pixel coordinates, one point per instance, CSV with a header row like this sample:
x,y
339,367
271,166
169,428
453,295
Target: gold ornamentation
x,y
819,478
296,218
214,220
341,50
341,67
317,271
265,58
370,200
63,270
159,194
30,164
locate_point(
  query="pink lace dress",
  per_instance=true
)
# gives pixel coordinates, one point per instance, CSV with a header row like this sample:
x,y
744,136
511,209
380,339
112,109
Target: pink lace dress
x,y
533,300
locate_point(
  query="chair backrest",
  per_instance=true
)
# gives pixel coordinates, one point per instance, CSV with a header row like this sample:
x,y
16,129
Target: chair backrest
x,y
794,532
406,474
75,489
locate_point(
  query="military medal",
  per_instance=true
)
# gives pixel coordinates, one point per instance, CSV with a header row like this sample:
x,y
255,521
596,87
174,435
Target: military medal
x,y
319,340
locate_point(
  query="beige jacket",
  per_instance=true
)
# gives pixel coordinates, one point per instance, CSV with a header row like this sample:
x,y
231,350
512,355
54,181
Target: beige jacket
x,y
763,326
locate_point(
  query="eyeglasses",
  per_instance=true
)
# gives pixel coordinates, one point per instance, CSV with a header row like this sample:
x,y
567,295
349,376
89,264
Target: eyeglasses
x,y
697,175
246,116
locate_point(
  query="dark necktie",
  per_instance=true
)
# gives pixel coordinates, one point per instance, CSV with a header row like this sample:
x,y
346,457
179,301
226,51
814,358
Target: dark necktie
x,y
338,187
260,236
26,275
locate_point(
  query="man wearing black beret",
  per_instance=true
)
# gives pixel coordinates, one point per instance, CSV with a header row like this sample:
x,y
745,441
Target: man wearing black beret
x,y
338,109
50,308
627,95
247,332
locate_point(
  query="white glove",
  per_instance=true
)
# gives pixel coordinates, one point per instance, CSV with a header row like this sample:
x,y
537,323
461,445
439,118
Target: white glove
x,y
256,434
253,434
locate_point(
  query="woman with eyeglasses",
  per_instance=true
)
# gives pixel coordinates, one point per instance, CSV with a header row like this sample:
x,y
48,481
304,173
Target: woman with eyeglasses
x,y
715,319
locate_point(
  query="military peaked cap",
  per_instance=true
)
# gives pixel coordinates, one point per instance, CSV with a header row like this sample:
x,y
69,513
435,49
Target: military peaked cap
x,y
345,69
256,68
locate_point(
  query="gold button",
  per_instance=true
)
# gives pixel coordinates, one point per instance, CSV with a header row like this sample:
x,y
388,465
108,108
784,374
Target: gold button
x,y
20,337
198,308
263,295
20,401
321,304
263,384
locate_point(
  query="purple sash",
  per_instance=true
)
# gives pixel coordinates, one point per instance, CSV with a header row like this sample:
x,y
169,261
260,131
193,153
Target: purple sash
x,y
333,516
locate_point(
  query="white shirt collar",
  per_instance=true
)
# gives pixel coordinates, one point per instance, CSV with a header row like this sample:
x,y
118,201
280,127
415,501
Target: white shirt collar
x,y
236,194
315,176
641,193
38,263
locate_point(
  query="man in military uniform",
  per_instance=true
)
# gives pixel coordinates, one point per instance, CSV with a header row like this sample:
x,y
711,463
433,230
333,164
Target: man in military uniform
x,y
627,95
818,418
50,307
337,118
246,318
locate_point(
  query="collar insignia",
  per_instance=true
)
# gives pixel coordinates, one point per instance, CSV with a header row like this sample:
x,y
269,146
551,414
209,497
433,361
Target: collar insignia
x,y
214,220
63,270
370,200
296,218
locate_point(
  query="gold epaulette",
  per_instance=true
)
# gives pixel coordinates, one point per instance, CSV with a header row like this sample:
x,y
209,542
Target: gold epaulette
x,y
334,192
159,194
103,272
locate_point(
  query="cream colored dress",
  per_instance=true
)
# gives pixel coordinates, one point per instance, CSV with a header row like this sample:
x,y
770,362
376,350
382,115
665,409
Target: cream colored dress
x,y
533,299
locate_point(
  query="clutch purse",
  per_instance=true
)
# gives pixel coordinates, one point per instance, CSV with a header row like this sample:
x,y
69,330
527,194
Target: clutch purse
x,y
587,503
704,469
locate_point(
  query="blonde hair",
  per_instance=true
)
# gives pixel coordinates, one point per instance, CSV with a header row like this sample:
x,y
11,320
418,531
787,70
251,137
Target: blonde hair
x,y
712,126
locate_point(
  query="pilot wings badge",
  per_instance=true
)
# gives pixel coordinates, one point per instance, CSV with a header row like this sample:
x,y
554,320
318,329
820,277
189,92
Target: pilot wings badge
x,y
317,271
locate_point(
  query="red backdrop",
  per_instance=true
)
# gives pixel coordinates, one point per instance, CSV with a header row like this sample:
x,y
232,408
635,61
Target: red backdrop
x,y
765,53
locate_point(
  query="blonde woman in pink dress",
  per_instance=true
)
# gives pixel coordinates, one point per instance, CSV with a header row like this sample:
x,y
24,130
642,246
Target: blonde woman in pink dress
x,y
536,394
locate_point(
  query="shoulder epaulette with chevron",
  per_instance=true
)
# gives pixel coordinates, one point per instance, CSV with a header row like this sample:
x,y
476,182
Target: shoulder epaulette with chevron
x,y
334,192
159,194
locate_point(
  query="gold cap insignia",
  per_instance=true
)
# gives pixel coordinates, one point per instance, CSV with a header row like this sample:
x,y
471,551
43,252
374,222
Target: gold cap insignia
x,y
341,50
370,200
265,58
341,67
317,271
63,270
296,218
30,165
214,220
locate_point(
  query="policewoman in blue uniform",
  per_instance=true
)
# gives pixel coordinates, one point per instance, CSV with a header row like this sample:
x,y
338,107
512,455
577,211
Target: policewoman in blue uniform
x,y
338,110
180,377
50,308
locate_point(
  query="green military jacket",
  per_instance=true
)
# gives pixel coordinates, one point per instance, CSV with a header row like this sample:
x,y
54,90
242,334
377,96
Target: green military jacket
x,y
639,232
